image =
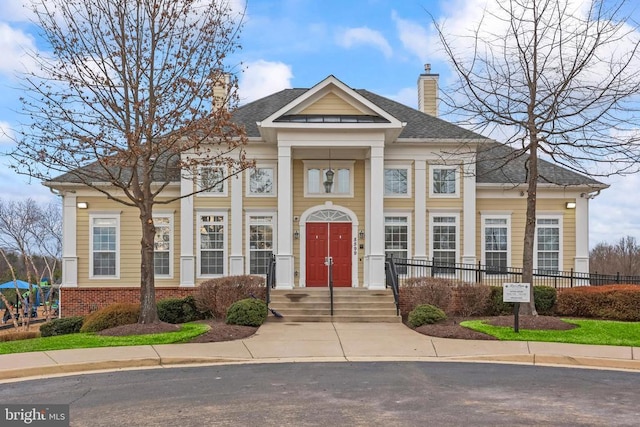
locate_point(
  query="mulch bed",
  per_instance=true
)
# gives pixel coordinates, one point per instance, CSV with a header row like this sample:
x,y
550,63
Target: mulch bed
x,y
451,328
219,331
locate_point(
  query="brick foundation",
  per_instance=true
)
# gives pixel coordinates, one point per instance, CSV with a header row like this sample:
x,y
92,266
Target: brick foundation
x,y
82,301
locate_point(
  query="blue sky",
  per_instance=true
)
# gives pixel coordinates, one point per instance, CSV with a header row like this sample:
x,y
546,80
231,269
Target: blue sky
x,y
379,45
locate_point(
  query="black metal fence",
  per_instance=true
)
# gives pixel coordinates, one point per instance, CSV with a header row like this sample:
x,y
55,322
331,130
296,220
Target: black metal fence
x,y
487,275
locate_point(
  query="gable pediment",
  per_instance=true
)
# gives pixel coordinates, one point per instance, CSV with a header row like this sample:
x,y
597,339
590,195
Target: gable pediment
x,y
330,105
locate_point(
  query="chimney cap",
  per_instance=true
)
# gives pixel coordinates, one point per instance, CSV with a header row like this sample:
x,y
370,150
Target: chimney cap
x,y
427,68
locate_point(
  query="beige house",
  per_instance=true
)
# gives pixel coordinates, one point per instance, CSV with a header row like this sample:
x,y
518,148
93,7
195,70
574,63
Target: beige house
x,y
342,173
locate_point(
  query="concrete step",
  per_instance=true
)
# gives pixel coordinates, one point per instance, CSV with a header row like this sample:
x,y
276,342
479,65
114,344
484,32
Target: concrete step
x,y
350,305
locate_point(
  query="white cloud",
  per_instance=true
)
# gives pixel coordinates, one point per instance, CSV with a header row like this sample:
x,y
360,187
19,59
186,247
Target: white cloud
x,y
16,10
14,45
614,213
406,96
262,78
6,134
364,36
417,39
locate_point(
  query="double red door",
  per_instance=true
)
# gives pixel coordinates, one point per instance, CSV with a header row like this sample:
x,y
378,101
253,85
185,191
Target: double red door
x,y
328,239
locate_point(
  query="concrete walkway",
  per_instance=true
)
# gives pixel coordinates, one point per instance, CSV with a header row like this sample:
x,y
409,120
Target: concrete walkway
x,y
319,342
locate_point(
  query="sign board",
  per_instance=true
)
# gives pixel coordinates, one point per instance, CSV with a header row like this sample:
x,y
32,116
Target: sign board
x,y
516,292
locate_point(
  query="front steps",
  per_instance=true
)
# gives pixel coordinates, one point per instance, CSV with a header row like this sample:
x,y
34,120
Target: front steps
x,y
349,305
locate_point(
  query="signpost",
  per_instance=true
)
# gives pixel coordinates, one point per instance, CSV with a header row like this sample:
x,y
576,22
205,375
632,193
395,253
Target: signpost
x,y
516,293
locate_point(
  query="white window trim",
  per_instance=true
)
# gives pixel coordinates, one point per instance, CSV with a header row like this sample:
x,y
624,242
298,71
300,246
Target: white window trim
x,y
439,213
408,168
324,164
161,214
432,168
483,218
104,215
274,224
560,238
225,187
225,244
405,214
266,165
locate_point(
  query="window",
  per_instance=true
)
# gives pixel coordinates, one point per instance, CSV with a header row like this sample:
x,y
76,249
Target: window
x,y
320,179
212,181
496,244
396,182
162,246
396,238
444,242
548,244
260,243
444,182
261,182
104,246
212,243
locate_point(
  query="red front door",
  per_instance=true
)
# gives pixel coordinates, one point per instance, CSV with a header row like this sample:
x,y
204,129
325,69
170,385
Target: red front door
x,y
331,239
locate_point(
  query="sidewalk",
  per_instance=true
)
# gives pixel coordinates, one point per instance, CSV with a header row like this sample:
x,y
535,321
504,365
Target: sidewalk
x,y
319,342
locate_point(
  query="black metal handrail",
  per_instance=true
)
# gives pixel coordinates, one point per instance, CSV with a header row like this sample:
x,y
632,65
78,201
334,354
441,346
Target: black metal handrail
x,y
270,280
392,281
330,262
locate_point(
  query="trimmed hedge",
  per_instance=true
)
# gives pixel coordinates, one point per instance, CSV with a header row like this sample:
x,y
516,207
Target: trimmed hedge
x,y
63,326
425,314
179,310
426,290
612,302
215,296
111,316
247,312
471,300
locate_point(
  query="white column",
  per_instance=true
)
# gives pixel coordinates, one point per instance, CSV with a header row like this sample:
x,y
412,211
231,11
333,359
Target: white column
x,y
187,258
69,255
376,230
367,219
284,256
469,219
581,262
236,259
420,207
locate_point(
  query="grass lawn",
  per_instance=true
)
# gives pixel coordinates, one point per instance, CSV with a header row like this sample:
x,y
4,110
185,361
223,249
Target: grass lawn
x,y
91,340
595,332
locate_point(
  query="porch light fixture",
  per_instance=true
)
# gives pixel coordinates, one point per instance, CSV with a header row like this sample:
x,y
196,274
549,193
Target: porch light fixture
x,y
329,174
571,205
361,234
296,234
82,205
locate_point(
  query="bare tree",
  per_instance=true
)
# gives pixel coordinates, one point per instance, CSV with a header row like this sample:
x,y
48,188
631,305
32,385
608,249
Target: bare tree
x,y
623,257
558,79
129,99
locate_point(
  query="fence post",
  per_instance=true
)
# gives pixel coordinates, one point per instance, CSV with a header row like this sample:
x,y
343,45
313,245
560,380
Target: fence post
x,y
618,278
478,279
571,280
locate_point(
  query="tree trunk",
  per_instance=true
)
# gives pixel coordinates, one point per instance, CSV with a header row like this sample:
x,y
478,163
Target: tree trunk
x,y
148,307
530,226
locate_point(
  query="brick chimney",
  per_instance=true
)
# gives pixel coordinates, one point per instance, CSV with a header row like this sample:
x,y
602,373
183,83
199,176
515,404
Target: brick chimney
x,y
428,92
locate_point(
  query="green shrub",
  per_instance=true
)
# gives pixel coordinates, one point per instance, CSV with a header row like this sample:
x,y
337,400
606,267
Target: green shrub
x,y
179,310
426,290
545,298
497,306
247,312
64,326
425,314
111,316
215,296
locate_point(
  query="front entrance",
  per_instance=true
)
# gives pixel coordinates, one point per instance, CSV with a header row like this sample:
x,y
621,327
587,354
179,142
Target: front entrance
x,y
328,239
